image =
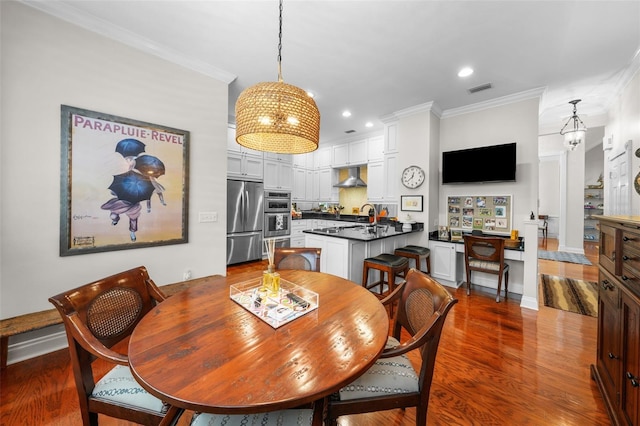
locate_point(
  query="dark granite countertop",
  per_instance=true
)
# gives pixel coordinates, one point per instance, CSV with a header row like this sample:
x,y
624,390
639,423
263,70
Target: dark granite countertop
x,y
433,236
333,216
361,232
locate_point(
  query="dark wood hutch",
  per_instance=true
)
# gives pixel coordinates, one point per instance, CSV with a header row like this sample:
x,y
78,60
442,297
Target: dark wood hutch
x,y
617,368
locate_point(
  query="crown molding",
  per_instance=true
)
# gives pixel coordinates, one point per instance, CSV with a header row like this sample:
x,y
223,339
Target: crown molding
x,y
493,103
626,76
91,23
417,109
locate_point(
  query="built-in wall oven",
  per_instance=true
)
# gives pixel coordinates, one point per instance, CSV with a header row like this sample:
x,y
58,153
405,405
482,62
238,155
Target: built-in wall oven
x,y
277,215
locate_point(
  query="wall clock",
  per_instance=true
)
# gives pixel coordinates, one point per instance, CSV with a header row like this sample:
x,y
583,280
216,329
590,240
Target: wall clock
x,y
413,177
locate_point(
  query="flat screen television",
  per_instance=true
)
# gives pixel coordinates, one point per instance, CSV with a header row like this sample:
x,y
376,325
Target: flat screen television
x,y
495,163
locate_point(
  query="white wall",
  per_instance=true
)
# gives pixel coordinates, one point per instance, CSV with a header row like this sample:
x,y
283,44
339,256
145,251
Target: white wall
x,y
594,157
514,122
624,125
47,62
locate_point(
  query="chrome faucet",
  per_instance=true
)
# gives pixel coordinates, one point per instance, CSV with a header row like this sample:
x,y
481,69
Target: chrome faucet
x,y
375,213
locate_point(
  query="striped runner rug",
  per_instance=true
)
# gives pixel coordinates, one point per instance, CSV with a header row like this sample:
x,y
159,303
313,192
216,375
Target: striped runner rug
x,y
570,294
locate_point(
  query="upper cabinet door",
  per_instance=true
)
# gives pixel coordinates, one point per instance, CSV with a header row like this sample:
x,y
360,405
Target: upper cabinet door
x,y
323,157
376,148
390,136
340,155
358,152
350,154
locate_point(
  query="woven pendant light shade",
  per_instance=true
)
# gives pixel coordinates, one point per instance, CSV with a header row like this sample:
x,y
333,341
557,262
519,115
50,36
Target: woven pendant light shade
x,y
277,117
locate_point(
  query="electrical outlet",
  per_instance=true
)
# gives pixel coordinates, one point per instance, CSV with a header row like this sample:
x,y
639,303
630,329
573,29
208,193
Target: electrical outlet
x,y
186,275
207,217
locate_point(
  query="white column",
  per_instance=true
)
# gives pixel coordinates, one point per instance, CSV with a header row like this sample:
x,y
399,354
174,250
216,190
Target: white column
x,y
530,279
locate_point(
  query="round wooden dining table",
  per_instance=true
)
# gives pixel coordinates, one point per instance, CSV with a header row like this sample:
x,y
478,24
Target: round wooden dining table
x,y
201,351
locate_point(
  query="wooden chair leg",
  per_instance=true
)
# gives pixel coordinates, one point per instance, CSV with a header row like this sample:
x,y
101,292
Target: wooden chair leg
x,y
365,275
468,282
506,284
499,286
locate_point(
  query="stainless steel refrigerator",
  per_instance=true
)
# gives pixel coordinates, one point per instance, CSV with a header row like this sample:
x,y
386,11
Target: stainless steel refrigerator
x,y
245,218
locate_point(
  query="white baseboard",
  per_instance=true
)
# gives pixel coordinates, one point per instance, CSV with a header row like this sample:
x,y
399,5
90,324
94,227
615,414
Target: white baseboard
x,y
529,303
31,345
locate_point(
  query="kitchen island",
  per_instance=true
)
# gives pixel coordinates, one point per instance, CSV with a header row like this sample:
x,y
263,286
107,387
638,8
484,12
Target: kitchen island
x,y
344,248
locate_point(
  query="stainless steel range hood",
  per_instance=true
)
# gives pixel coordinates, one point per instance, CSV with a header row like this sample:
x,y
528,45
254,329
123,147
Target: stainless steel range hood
x,y
353,180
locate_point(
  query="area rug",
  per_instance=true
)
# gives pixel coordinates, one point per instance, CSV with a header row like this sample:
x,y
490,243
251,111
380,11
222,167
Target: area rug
x,y
570,295
563,256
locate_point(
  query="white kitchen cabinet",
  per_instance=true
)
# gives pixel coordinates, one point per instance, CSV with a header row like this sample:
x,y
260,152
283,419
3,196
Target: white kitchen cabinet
x,y
444,262
391,177
297,234
309,185
323,157
376,149
287,158
325,183
383,178
340,155
299,160
310,160
334,258
345,258
242,163
375,181
315,196
358,152
390,138
350,154
299,184
278,175
243,166
235,147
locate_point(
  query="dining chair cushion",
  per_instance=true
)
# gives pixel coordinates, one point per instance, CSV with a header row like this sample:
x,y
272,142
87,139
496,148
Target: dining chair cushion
x,y
279,418
120,386
387,376
484,264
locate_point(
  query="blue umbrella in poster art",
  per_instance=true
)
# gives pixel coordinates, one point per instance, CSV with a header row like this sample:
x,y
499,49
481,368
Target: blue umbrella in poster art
x,y
132,187
130,147
149,165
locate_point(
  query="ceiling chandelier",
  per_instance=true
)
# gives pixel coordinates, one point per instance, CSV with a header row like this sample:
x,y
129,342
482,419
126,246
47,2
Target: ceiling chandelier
x,y
277,117
575,134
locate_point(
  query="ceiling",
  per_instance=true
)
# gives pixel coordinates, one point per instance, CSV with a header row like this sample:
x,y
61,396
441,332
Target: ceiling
x,y
375,58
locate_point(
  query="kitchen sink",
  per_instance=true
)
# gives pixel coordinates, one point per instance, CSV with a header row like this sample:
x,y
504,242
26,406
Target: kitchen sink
x,y
328,230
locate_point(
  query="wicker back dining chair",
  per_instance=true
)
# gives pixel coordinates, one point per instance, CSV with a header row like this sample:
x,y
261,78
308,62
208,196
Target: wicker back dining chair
x,y
307,258
392,382
96,317
486,254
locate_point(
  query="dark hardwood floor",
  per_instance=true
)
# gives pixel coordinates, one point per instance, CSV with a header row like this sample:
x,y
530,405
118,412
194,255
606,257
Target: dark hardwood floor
x,y
498,364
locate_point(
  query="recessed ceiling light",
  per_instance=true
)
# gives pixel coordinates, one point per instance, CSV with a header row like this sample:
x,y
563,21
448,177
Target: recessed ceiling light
x,y
465,72
369,124
346,114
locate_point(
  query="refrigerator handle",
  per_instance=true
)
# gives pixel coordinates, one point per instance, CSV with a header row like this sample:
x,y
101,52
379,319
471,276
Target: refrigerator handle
x,y
246,207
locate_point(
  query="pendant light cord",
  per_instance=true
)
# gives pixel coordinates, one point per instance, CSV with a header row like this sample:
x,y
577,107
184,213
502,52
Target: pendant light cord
x,y
280,46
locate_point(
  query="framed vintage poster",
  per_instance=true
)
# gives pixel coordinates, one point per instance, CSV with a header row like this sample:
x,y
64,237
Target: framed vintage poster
x,y
411,203
124,183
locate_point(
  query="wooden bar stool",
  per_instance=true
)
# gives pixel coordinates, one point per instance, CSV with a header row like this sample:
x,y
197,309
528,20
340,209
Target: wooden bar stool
x,y
416,253
391,264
